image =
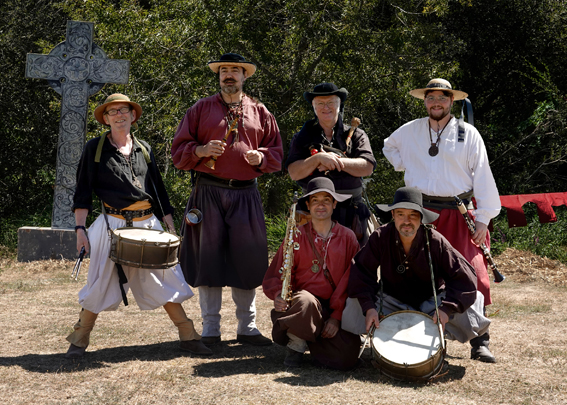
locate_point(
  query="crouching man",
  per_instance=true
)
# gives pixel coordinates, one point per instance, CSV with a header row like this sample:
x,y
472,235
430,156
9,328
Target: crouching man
x,y
399,249
311,320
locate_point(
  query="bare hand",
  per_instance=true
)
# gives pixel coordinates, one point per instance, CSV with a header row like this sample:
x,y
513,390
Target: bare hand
x,y
372,318
82,241
330,328
280,304
479,236
444,319
329,161
213,148
254,157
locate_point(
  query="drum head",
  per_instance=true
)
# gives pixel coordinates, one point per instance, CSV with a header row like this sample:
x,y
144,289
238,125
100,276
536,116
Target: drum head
x,y
153,235
407,337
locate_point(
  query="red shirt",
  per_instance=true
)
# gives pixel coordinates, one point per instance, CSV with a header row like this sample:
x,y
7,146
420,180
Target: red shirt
x,y
340,247
205,121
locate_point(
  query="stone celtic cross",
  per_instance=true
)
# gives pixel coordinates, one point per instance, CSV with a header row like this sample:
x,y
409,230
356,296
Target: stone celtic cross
x,y
76,68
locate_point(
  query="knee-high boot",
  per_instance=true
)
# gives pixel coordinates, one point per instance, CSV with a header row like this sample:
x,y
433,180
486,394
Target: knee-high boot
x,y
80,337
190,339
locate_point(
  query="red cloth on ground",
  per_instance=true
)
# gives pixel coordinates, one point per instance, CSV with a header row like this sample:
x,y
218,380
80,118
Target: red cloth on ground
x,y
543,202
452,226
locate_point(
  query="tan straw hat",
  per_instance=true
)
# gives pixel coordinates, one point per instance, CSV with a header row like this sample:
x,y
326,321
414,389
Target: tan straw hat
x,y
116,98
232,59
439,84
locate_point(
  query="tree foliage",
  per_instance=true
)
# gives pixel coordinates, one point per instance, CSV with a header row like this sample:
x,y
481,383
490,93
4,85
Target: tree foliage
x,y
507,54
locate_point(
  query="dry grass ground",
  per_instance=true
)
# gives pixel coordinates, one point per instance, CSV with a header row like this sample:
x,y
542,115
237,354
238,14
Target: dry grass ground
x,y
133,356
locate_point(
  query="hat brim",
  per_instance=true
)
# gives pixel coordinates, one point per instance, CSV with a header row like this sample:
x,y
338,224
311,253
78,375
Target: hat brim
x,y
99,111
338,197
248,66
427,216
457,94
342,93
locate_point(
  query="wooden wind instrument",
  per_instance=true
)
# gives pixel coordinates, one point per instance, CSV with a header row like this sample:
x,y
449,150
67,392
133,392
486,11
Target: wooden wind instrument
x,y
211,163
355,122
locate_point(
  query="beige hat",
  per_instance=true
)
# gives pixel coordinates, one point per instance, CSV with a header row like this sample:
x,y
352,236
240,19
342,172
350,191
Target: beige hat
x,y
116,98
439,84
232,59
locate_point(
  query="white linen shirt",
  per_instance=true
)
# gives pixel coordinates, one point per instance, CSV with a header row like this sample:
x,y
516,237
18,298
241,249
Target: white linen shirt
x,y
459,167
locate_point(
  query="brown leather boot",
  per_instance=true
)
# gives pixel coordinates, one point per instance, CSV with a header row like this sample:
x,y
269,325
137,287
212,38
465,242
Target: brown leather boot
x,y
80,338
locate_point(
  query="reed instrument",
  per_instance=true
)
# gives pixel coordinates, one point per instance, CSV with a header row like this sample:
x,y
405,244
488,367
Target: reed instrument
x,y
355,122
289,246
498,277
211,163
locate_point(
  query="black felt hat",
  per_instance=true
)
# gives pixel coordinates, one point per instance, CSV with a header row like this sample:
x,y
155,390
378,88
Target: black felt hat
x,y
326,89
410,198
317,185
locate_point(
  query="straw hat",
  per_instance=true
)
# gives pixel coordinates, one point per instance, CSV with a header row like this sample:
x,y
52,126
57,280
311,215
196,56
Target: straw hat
x,y
439,84
116,98
232,59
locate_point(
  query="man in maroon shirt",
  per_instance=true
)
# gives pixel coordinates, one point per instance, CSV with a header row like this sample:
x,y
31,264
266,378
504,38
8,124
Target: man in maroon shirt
x,y
320,271
397,257
227,140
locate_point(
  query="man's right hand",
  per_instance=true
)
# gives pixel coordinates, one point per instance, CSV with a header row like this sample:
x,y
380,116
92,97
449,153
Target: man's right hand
x,y
212,148
280,304
372,318
82,240
329,161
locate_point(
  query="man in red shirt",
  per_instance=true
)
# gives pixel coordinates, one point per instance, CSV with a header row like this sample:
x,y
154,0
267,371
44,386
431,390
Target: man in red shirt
x,y
320,272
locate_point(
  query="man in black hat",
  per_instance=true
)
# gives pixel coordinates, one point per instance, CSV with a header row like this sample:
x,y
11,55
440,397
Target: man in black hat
x,y
397,254
325,146
444,157
311,319
227,140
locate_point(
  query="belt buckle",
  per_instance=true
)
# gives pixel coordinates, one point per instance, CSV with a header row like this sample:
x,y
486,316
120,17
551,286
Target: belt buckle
x,y
230,182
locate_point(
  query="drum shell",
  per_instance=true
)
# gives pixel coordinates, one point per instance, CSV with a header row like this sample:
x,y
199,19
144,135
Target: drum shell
x,y
417,371
145,252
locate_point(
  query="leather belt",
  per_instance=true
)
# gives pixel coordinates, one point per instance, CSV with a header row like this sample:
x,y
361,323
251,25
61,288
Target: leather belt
x,y
209,179
441,203
129,215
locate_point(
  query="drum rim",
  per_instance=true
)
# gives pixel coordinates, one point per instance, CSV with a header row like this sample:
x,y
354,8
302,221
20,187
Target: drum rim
x,y
380,359
177,238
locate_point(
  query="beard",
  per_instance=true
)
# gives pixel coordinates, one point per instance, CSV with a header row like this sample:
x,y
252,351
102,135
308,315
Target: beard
x,y
438,115
407,230
231,87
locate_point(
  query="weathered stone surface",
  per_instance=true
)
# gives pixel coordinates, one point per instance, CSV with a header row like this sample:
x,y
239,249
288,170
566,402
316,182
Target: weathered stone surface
x,y
46,243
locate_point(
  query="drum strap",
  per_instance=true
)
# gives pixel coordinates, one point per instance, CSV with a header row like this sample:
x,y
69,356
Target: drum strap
x,y
122,279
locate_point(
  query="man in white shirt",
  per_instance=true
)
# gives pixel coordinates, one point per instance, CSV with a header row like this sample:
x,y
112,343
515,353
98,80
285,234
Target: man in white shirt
x,y
444,159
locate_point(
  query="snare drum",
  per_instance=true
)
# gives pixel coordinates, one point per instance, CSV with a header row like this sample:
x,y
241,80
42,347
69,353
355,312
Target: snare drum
x,y
144,248
407,346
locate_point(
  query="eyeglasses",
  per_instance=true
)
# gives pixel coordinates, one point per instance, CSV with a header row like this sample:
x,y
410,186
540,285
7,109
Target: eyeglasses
x,y
441,99
113,112
329,104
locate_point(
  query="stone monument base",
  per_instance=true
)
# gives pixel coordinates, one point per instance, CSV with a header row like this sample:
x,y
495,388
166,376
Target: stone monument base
x,y
36,243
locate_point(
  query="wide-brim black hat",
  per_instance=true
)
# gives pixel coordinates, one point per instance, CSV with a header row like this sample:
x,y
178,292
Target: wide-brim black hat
x,y
318,185
326,89
232,59
410,198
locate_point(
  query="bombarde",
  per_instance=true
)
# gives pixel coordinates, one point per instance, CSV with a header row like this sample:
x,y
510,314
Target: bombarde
x,y
498,277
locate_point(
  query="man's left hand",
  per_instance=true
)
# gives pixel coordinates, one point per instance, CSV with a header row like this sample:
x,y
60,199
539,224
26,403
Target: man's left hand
x,y
330,328
480,235
254,157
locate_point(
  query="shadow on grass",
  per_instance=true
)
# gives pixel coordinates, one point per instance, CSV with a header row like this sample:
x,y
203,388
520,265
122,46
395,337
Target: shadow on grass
x,y
229,358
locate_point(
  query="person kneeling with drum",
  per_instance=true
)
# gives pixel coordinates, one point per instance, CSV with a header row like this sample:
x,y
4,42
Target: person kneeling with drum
x,y
121,170
408,267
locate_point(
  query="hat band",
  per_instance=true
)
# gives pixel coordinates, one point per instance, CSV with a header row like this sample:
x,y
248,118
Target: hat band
x,y
438,85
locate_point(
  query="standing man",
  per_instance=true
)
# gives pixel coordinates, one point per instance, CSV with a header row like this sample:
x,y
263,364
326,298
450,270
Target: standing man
x,y
398,256
443,159
120,170
228,140
326,147
320,271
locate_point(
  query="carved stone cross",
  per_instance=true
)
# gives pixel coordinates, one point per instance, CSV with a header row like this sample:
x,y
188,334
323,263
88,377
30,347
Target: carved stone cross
x,y
76,68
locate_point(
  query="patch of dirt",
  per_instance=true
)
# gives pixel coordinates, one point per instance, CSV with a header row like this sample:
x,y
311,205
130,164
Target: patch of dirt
x,y
522,266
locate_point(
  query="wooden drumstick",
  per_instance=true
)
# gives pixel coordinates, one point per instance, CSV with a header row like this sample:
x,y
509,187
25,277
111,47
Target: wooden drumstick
x,y
211,163
355,122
